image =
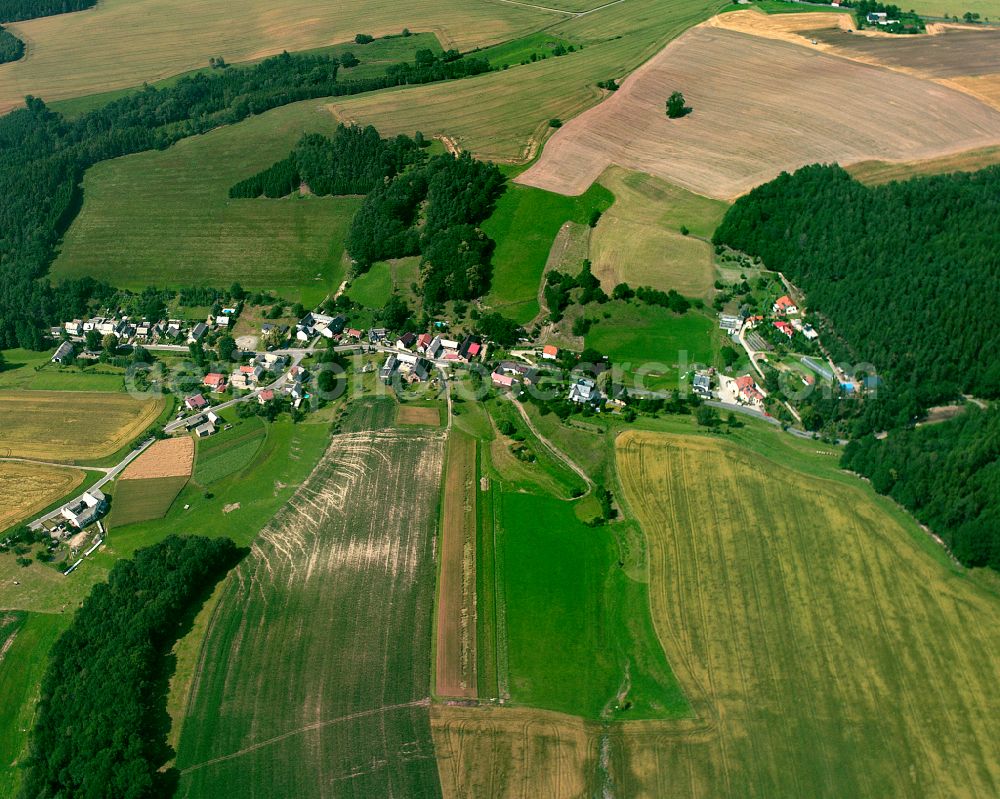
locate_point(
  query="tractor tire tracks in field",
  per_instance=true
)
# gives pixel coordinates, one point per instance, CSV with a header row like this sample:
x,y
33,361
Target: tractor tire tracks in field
x,y
316,725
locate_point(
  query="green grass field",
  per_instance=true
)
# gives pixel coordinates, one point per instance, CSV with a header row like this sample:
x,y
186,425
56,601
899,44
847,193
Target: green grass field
x,y
524,225
373,288
823,640
639,240
143,500
164,218
21,666
229,451
512,53
316,668
654,338
33,371
242,503
580,639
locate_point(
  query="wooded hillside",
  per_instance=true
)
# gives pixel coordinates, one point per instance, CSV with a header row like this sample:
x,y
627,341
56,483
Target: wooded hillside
x,y
948,474
906,276
101,724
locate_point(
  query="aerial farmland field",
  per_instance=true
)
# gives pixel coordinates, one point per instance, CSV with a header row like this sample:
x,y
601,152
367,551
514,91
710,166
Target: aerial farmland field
x,y
476,113
165,218
31,487
120,44
639,240
744,91
780,596
315,672
70,426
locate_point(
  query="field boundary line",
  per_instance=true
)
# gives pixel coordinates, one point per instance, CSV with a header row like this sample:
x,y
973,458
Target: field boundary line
x,y
560,455
316,725
56,465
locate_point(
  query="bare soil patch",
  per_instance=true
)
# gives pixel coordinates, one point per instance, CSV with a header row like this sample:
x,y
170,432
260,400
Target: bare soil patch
x,y
951,53
876,172
171,457
411,414
760,106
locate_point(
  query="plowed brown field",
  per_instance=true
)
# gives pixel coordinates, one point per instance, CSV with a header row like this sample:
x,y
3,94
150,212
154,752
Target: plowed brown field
x,y
760,106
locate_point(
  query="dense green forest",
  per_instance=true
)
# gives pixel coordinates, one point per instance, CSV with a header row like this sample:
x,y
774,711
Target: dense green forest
x,y
948,474
43,157
16,10
353,160
11,48
905,277
101,722
453,195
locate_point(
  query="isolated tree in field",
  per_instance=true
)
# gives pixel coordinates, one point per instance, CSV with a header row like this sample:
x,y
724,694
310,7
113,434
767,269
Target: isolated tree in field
x,y
675,106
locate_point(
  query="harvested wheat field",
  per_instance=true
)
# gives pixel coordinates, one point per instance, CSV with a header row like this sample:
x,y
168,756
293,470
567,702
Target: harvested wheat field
x,y
314,675
513,753
28,488
760,106
823,640
171,457
877,172
121,43
71,426
455,672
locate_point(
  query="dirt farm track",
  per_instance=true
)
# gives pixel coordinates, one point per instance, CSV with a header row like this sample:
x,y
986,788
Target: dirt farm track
x,y
760,106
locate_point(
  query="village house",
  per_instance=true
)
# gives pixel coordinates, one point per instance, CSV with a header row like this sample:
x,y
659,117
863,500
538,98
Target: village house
x,y
702,384
85,509
271,361
205,430
434,349
197,333
195,402
64,353
470,347
785,328
74,328
731,324
388,368
584,391
500,380
353,333
519,371
405,341
377,335
784,305
265,396
423,341
550,353
246,377
215,382
749,390
222,322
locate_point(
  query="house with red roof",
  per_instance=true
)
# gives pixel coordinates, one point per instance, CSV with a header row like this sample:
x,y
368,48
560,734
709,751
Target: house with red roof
x,y
501,380
785,328
785,305
423,342
195,402
265,396
749,390
550,353
215,381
